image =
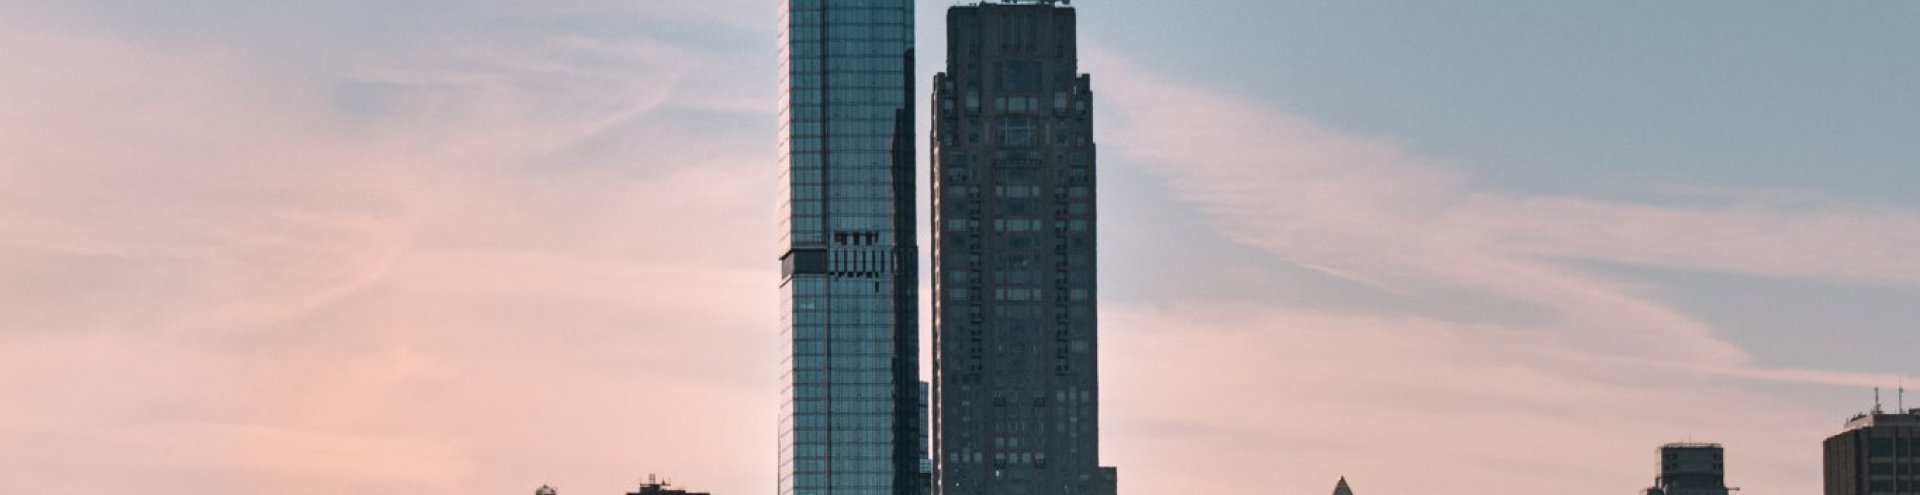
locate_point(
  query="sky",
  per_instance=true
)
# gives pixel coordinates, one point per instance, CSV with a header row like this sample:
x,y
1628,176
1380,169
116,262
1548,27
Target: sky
x,y
426,246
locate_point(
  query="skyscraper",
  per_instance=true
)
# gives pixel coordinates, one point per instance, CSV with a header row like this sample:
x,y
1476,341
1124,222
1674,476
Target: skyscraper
x,y
1341,488
1691,469
1016,386
1878,454
850,401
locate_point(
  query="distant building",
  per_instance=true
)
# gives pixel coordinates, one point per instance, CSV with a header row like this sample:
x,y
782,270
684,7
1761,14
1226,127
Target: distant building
x,y
1342,489
545,490
1691,469
1877,454
653,486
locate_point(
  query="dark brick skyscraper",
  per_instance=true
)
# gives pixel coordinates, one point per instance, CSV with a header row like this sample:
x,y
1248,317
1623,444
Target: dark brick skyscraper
x,y
1016,383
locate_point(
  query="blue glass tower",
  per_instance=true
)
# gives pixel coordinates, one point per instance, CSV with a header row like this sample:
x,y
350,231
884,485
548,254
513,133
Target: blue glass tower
x,y
850,421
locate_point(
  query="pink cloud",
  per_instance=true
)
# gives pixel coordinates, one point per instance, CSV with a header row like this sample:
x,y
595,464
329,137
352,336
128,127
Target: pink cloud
x,y
219,279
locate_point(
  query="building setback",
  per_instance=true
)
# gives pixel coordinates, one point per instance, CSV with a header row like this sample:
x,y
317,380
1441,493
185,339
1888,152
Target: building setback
x,y
850,394
1877,454
1691,469
1016,385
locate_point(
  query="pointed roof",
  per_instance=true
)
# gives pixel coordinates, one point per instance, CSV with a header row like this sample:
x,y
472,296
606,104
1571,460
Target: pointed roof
x,y
1341,489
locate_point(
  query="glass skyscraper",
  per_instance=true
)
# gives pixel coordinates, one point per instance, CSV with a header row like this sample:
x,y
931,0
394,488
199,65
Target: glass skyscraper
x,y
850,417
1016,380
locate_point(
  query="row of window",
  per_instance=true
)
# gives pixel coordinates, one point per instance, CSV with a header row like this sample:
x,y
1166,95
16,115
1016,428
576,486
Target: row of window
x,y
848,186
798,30
839,345
843,361
845,12
1010,157
878,65
1878,447
812,144
1015,277
811,61
844,158
846,96
1015,225
859,79
840,437
800,376
1021,134
1009,314
842,127
813,421
1015,294
950,173
1015,208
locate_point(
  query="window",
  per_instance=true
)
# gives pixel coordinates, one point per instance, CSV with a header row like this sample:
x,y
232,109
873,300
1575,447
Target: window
x,y
1017,191
1017,77
1016,225
1017,130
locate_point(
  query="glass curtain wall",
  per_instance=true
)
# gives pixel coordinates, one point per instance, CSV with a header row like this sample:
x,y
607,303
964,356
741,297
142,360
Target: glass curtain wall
x,y
850,397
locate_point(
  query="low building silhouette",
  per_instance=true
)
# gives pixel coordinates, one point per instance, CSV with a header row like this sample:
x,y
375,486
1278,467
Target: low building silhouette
x,y
655,486
1691,469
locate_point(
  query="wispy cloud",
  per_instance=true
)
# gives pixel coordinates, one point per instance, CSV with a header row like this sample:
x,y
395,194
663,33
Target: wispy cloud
x,y
1429,402
1360,208
382,270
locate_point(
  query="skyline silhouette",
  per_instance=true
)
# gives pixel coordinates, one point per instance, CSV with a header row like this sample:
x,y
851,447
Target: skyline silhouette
x,y
415,247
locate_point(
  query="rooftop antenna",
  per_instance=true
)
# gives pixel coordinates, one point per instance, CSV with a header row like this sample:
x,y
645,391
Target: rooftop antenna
x,y
1903,395
1876,400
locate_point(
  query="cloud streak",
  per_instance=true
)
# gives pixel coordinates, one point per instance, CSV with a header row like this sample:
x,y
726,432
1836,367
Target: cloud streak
x,y
1361,209
1432,402
469,259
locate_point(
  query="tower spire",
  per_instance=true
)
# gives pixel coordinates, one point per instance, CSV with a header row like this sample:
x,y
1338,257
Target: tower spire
x,y
1342,488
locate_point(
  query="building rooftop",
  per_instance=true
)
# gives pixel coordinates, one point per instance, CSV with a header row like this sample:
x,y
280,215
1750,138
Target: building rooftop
x,y
1877,418
1055,3
1691,445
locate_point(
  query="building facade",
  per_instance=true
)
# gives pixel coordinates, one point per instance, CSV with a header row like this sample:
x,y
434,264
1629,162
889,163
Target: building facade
x,y
1877,454
1691,469
850,392
1016,385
